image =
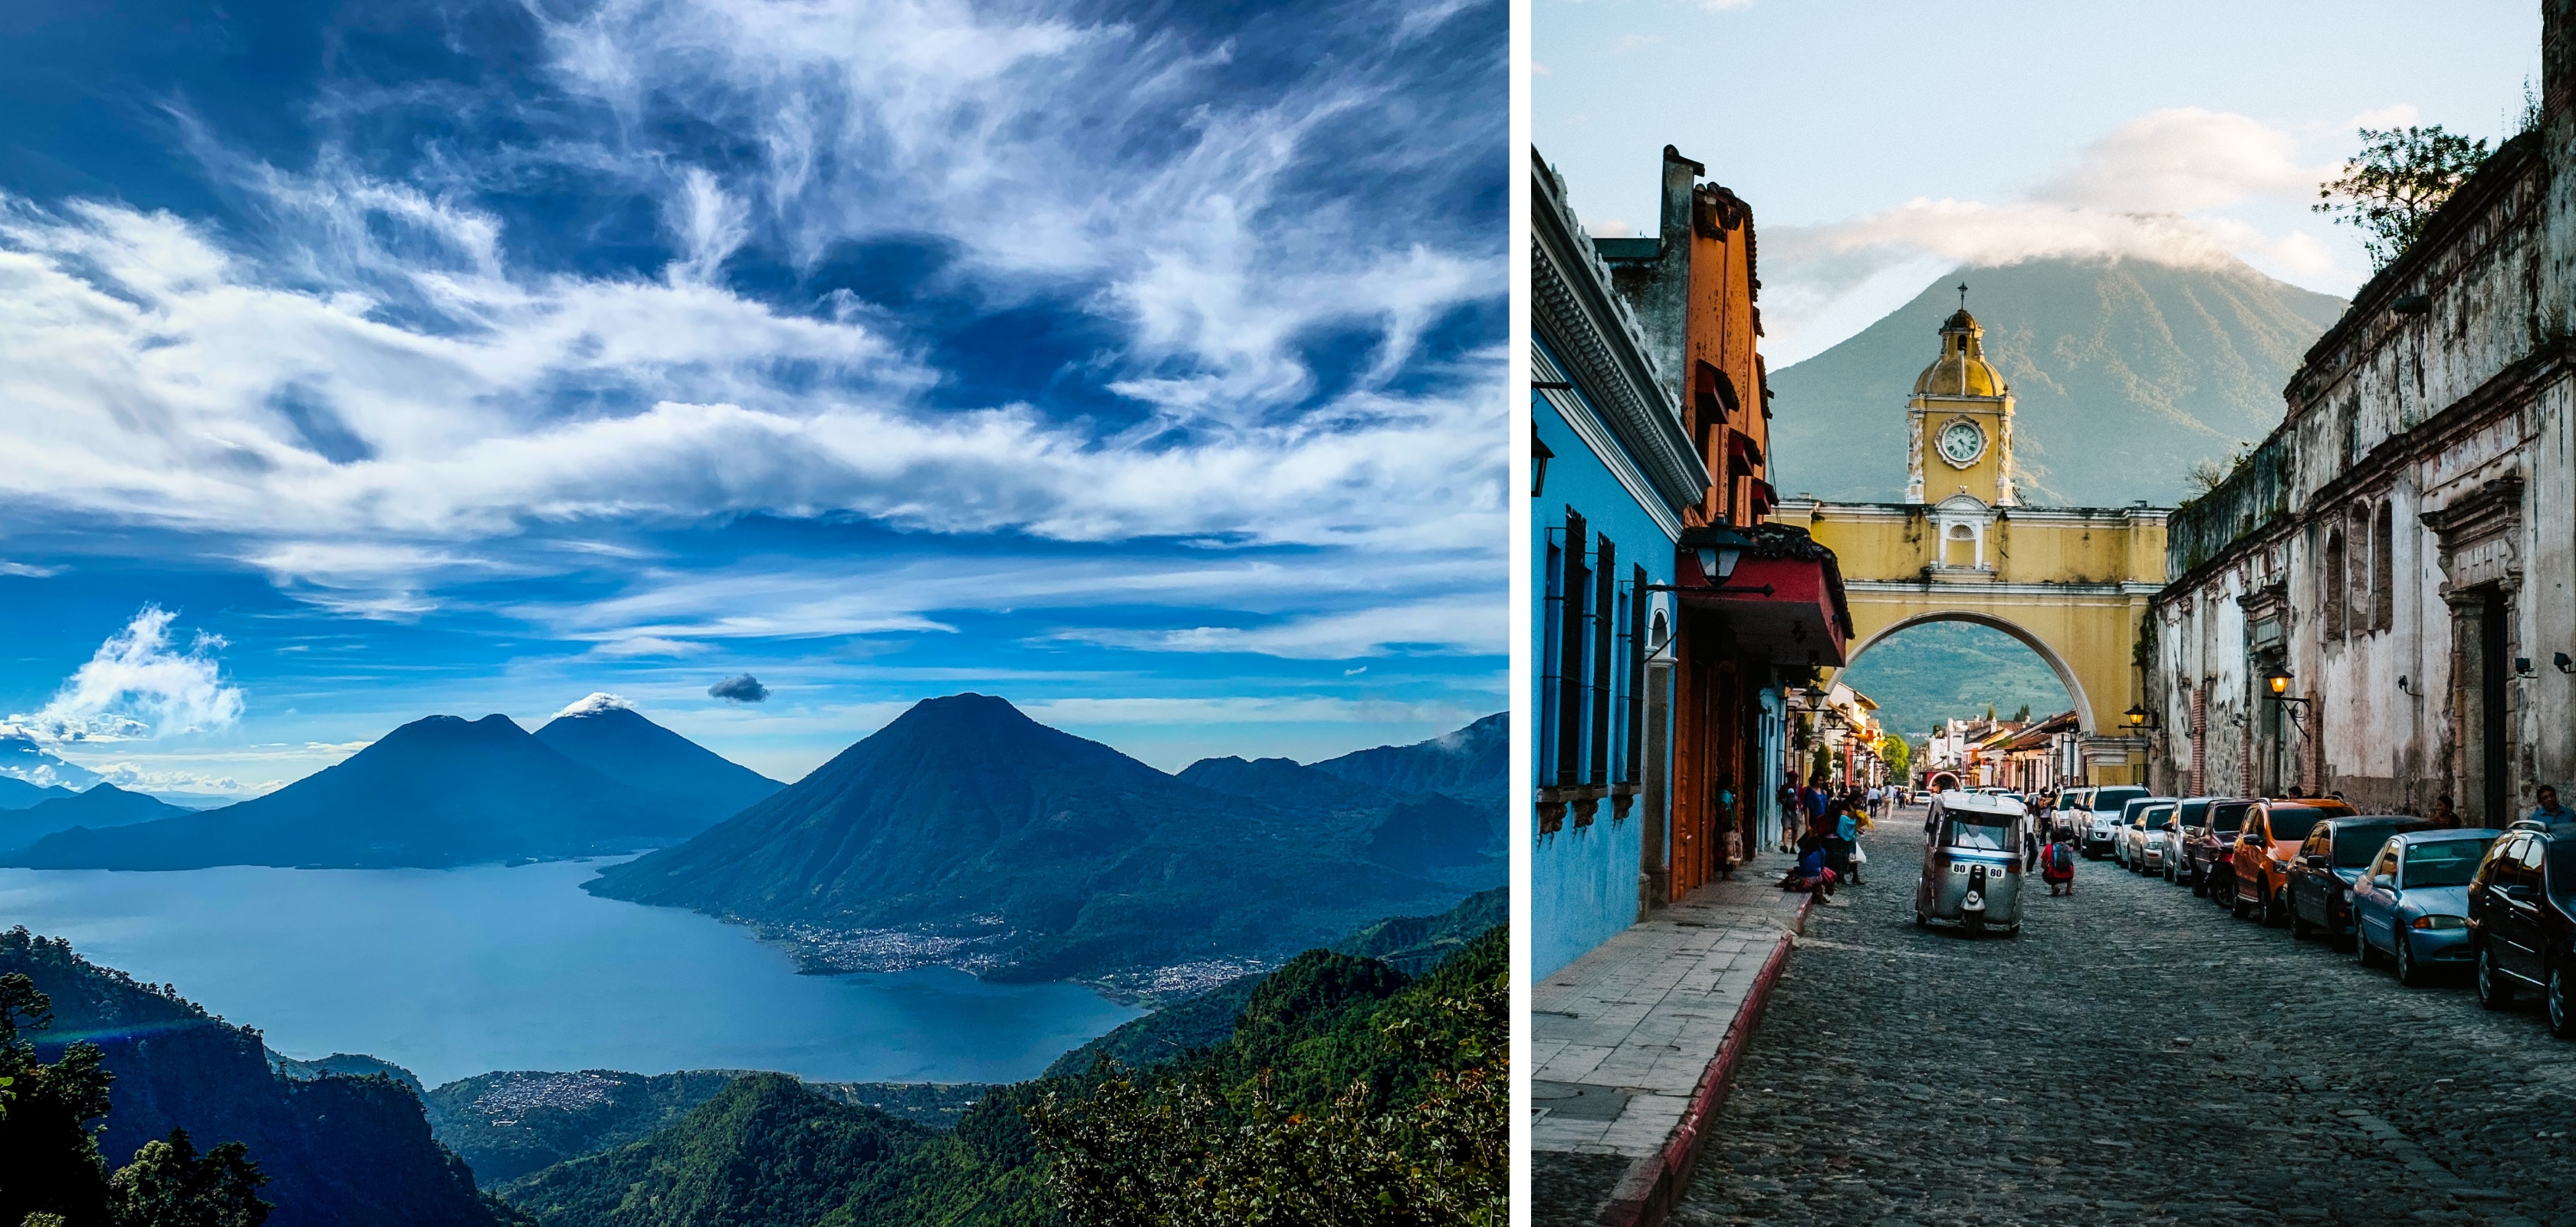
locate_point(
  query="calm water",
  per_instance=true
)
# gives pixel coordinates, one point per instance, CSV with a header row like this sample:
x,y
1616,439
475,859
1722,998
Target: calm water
x,y
456,972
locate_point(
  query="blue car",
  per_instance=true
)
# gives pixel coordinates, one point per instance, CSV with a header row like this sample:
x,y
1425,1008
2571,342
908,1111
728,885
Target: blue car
x,y
2412,904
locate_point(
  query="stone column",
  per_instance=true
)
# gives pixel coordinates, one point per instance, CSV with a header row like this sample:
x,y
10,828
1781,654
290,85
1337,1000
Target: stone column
x,y
2468,704
1654,876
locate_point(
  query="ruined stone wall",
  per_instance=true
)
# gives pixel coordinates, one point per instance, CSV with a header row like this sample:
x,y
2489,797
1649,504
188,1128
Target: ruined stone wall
x,y
2435,414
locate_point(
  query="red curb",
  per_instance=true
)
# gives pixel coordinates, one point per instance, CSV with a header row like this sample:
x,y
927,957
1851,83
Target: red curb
x,y
1645,1195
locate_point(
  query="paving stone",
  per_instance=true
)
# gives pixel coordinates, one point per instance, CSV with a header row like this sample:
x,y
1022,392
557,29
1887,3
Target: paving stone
x,y
2136,1056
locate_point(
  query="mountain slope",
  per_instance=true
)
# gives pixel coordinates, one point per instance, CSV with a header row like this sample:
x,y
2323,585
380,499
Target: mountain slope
x,y
1055,855
763,1150
336,1150
1472,764
16,793
702,787
510,1124
104,805
439,791
2125,373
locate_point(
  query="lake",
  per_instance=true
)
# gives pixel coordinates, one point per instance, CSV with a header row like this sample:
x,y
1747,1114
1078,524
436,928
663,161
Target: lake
x,y
460,971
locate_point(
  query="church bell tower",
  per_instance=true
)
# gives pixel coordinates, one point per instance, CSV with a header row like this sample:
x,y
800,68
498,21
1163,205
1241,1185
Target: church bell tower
x,y
1959,421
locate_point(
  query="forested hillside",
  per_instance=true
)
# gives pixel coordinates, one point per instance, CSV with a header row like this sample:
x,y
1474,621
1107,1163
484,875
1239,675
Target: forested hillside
x,y
1337,1070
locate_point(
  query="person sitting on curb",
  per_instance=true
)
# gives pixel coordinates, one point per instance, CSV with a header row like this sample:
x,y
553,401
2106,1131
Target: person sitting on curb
x,y
1812,875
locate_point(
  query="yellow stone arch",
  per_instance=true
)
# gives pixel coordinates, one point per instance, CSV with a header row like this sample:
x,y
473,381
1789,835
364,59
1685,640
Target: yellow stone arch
x,y
2072,585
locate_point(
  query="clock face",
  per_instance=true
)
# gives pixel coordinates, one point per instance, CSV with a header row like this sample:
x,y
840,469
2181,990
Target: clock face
x,y
1962,442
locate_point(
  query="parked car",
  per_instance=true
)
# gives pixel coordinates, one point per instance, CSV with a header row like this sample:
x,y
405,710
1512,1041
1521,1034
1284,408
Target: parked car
x,y
2522,922
2073,807
2140,825
2274,831
2099,819
2209,827
2330,860
2413,901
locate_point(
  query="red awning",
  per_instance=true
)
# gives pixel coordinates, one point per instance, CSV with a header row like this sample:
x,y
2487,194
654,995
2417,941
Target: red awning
x,y
1796,622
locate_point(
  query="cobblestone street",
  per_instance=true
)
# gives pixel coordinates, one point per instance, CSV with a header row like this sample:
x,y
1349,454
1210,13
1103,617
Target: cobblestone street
x,y
2137,1055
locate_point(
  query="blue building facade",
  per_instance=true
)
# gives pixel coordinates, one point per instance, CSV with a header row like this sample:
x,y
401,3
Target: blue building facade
x,y
1614,476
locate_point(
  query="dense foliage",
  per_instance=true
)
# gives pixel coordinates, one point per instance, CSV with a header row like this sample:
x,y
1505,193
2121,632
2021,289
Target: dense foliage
x,y
2392,189
510,1124
53,1172
1337,1102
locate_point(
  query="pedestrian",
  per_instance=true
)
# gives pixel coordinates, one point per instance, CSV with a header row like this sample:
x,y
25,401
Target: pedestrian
x,y
2550,812
2057,862
1722,827
2444,817
1845,840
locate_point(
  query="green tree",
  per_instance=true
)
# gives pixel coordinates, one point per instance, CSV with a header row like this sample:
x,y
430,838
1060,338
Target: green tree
x,y
1897,753
2392,189
1188,1151
54,1176
170,1185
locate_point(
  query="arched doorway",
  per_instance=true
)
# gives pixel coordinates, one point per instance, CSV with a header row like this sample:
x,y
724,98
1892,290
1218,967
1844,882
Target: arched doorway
x,y
1978,700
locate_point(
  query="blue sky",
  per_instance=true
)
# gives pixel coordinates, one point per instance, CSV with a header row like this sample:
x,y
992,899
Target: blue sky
x,y
1883,143
1140,363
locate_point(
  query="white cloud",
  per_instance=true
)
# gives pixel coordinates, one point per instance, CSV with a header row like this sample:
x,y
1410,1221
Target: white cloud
x,y
2170,186
135,778
25,570
2186,159
663,612
594,703
1462,624
137,686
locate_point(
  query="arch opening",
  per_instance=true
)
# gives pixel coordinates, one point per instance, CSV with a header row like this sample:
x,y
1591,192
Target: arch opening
x,y
2048,655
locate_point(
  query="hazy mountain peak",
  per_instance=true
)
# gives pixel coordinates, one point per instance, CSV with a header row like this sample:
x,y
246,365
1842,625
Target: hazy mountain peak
x,y
2126,373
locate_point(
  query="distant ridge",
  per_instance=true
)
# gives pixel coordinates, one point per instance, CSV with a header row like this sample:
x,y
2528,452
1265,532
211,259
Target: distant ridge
x,y
2125,373
104,805
1472,764
439,791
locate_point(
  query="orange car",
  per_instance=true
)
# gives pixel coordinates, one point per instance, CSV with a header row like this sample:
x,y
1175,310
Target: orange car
x,y
2273,832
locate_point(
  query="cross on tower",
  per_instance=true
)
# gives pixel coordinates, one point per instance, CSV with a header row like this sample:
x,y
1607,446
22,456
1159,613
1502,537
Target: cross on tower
x,y
1963,296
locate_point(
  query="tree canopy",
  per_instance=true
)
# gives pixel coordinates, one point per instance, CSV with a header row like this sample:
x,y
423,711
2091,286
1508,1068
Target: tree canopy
x,y
2393,187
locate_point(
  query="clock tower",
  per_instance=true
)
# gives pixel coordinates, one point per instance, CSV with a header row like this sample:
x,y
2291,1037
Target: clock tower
x,y
1959,421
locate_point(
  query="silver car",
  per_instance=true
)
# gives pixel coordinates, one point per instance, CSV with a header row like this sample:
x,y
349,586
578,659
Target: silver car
x,y
2142,841
2098,823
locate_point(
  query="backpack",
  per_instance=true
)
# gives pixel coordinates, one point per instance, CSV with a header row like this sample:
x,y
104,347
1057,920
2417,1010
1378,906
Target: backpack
x,y
2061,858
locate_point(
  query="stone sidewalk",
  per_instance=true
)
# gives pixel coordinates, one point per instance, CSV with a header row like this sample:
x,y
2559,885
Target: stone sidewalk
x,y
1634,1042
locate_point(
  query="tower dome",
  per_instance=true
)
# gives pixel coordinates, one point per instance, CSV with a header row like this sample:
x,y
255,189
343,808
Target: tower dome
x,y
1962,369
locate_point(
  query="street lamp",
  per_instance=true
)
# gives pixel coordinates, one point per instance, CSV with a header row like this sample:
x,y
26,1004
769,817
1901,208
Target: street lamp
x,y
2139,716
2279,680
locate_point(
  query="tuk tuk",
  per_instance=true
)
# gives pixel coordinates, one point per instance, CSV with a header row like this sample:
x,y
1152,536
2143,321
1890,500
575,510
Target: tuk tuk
x,y
1972,863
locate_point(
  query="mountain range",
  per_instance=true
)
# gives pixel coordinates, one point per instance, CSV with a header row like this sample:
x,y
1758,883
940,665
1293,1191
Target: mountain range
x,y
1056,857
104,805
443,791
2125,373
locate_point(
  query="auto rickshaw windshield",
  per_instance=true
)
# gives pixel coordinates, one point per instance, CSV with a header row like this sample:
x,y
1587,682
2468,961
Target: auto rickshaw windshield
x,y
1978,833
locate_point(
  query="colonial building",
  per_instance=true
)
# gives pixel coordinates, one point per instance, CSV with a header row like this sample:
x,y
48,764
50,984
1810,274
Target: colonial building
x,y
1667,614
2377,601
